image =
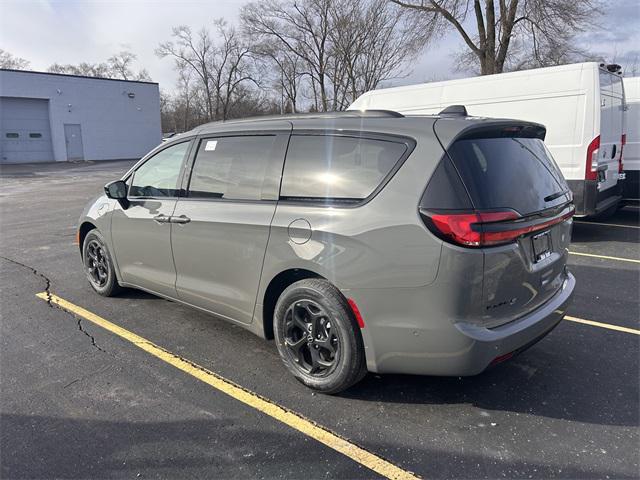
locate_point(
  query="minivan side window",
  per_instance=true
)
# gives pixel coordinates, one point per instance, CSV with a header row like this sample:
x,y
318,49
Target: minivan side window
x,y
236,168
158,176
336,167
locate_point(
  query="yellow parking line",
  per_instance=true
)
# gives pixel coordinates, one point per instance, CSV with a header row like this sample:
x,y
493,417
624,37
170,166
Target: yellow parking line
x,y
618,328
606,224
253,400
605,257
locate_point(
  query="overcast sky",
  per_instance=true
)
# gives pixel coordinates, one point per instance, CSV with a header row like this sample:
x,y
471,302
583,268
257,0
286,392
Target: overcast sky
x,y
67,31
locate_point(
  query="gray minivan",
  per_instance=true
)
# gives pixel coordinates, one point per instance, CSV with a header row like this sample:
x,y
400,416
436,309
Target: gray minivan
x,y
360,241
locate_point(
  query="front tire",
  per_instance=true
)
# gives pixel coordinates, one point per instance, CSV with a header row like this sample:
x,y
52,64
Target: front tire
x,y
317,336
98,265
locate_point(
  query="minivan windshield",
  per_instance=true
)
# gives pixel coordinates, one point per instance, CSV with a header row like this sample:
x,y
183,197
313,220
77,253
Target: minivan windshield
x,y
509,173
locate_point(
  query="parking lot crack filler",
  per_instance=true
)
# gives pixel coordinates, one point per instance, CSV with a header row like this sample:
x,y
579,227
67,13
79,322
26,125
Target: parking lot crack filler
x,y
47,291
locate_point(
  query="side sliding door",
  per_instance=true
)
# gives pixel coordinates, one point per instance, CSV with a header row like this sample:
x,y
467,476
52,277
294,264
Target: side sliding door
x,y
221,227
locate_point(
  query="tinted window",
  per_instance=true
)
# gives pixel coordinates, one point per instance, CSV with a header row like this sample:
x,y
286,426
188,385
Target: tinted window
x,y
445,190
515,173
158,176
12,135
236,168
35,135
336,167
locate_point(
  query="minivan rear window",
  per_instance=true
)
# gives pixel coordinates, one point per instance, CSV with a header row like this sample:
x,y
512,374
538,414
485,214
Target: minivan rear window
x,y
337,168
509,173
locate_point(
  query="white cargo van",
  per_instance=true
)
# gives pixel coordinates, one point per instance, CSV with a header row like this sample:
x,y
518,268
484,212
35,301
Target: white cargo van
x,y
582,106
631,160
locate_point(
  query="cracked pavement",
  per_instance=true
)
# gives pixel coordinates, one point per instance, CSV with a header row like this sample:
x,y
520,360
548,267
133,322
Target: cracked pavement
x,y
78,402
47,290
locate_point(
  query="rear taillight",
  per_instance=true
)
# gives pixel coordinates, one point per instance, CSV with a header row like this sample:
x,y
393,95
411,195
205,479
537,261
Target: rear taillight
x,y
622,143
466,228
591,172
484,229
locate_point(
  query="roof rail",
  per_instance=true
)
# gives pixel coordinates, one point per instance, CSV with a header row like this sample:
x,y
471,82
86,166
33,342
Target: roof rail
x,y
318,115
380,113
454,111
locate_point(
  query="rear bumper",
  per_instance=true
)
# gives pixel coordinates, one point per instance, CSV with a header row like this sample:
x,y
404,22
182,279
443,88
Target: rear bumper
x,y
516,336
459,349
589,201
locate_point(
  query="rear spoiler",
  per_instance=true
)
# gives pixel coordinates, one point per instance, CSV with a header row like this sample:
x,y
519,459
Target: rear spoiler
x,y
506,129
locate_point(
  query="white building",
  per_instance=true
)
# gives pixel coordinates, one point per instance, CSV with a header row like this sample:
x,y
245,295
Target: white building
x,y
47,117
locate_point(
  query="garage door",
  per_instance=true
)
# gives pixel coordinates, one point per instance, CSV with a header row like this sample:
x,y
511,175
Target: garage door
x,y
26,134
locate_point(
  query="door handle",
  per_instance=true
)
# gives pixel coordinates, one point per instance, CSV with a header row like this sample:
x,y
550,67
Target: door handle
x,y
162,218
182,219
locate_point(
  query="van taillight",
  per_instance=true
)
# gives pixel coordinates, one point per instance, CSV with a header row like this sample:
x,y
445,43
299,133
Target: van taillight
x,y
622,143
477,229
466,228
591,172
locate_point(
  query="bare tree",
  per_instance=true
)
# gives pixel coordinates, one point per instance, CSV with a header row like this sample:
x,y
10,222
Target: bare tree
x,y
195,52
287,75
187,93
302,29
120,67
222,67
121,62
632,66
341,48
8,60
540,31
231,67
372,42
117,66
85,69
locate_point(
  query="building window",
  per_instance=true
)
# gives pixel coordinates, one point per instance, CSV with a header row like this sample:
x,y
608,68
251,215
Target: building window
x,y
35,135
12,135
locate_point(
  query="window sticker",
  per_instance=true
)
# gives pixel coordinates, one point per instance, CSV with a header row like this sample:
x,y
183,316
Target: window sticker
x,y
211,145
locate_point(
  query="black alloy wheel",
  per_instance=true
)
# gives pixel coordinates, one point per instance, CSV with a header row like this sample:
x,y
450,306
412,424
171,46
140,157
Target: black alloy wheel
x,y
318,337
98,265
310,339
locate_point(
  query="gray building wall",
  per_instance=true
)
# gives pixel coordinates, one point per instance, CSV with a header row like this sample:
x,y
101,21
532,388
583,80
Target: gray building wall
x,y
118,119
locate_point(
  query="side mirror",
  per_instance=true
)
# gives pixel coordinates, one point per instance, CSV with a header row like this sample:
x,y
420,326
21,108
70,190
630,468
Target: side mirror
x,y
118,191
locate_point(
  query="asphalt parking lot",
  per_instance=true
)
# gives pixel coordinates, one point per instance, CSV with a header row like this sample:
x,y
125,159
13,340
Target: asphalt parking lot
x,y
78,401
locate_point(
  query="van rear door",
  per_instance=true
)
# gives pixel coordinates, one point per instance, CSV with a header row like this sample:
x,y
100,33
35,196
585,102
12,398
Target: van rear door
x,y
611,129
520,217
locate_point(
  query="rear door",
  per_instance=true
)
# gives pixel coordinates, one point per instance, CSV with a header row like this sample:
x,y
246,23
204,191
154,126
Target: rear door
x,y
221,227
611,128
509,175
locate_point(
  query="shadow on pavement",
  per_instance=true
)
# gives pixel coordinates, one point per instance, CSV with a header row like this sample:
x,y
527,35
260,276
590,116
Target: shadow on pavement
x,y
49,447
587,385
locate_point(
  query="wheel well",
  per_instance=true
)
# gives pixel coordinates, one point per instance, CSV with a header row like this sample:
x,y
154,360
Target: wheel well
x,y
277,285
85,228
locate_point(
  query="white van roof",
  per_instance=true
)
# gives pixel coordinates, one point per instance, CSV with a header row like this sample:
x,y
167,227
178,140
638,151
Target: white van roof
x,y
504,86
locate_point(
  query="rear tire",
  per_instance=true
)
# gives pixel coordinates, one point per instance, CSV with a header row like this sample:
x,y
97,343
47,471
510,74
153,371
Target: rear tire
x,y
98,265
317,336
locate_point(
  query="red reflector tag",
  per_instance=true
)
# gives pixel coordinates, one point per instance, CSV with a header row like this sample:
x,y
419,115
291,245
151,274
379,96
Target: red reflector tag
x,y
502,358
356,312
